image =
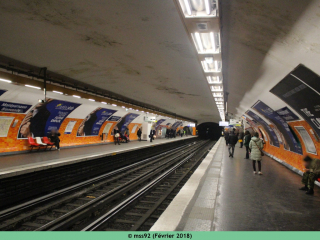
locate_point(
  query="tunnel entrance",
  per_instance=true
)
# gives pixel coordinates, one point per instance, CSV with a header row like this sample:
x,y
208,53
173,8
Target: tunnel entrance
x,y
209,130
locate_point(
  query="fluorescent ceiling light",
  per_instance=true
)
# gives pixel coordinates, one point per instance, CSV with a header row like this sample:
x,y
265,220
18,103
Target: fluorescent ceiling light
x,y
218,99
217,94
207,4
216,88
188,7
76,96
198,40
130,108
57,92
211,67
104,102
30,86
92,100
114,104
5,80
142,111
137,110
219,102
213,42
123,107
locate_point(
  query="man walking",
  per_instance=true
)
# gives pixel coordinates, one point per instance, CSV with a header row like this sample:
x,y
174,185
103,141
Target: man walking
x,y
233,139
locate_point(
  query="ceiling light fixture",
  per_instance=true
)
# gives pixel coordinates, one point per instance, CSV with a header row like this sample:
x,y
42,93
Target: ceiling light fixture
x,y
30,86
213,42
103,102
92,100
114,104
5,80
188,7
207,4
57,92
76,96
198,40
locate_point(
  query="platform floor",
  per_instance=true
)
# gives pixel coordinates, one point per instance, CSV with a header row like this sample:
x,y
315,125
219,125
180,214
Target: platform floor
x,y
11,165
231,198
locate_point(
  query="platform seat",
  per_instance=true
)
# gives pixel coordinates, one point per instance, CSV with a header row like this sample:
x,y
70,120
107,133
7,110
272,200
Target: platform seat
x,y
47,141
39,141
33,143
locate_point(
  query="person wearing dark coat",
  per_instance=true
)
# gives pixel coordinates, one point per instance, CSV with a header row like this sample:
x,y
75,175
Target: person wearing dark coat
x,y
54,138
246,140
152,133
226,137
116,134
233,139
139,134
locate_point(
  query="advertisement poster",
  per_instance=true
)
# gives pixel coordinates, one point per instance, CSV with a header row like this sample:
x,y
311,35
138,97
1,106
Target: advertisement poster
x,y
272,136
91,125
5,123
107,128
307,140
302,93
134,128
70,127
45,117
159,123
2,91
125,121
289,142
114,119
176,125
252,124
11,107
287,114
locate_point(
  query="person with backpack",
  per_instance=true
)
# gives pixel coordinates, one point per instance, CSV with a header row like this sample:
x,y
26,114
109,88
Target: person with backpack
x,y
246,140
256,146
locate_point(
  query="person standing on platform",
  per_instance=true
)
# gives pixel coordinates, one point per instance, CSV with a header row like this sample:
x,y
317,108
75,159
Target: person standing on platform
x,y
116,134
311,174
139,134
247,139
54,138
152,133
226,136
233,139
240,137
256,146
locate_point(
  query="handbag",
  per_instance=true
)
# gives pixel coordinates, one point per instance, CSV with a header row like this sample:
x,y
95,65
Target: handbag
x,y
262,154
117,135
240,140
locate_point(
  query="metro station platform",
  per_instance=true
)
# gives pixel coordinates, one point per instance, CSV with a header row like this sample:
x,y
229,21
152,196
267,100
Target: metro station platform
x,y
223,194
13,165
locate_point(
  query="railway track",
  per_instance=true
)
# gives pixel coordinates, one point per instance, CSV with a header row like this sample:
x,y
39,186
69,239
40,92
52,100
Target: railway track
x,y
66,209
142,209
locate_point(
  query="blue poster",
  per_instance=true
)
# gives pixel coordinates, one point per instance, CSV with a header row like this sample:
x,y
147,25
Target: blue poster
x,y
14,107
2,91
125,121
176,125
289,142
92,123
287,114
159,123
114,119
45,117
272,135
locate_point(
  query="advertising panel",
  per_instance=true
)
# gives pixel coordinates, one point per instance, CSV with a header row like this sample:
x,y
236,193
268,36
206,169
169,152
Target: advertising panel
x,y
45,117
301,91
91,125
287,114
272,136
282,126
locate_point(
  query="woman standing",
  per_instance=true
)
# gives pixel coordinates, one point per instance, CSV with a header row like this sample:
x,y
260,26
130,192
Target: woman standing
x,y
256,145
116,134
247,139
